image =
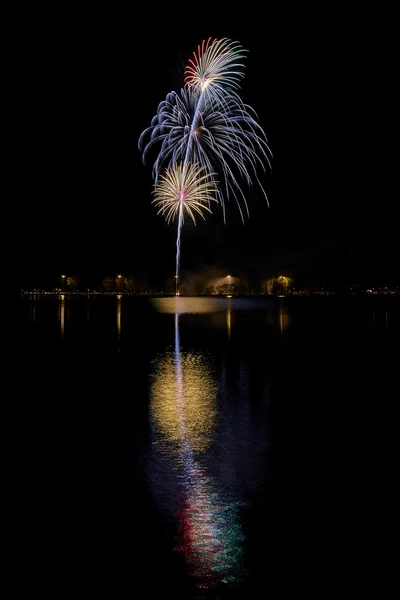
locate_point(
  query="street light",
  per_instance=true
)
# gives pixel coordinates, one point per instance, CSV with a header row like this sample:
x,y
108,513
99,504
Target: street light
x,y
229,295
63,278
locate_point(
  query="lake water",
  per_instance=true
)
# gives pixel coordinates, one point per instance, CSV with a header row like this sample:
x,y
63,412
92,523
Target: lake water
x,y
207,448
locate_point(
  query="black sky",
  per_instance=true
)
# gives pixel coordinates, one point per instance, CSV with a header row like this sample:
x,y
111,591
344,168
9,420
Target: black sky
x,y
89,83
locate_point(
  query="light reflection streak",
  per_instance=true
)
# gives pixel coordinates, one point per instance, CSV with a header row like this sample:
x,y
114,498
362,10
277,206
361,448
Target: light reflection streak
x,y
283,317
229,318
183,404
119,299
33,309
62,314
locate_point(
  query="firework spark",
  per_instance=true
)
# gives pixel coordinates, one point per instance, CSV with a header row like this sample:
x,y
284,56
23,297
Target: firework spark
x,y
215,66
183,190
227,140
207,125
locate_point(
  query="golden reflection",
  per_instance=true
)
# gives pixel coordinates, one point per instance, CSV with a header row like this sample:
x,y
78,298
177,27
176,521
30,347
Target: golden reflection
x,y
184,410
193,305
119,300
283,317
62,314
229,318
184,406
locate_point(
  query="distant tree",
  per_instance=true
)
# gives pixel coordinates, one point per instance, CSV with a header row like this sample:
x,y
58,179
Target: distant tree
x,y
108,284
232,289
289,284
269,285
279,285
284,284
224,289
210,289
129,285
72,284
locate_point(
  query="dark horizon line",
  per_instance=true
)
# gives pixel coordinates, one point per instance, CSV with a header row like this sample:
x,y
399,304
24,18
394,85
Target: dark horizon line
x,y
145,287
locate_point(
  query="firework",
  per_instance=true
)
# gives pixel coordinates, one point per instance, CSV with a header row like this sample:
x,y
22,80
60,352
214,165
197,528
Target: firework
x,y
183,190
207,125
227,140
215,66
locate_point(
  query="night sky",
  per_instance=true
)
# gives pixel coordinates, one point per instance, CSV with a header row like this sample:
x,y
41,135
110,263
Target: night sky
x,y
88,84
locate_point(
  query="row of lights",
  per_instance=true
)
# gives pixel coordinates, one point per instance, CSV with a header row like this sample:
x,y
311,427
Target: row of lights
x,y
119,276
63,278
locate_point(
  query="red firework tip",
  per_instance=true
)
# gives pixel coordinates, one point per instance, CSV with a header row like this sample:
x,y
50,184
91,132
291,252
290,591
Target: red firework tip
x,y
196,59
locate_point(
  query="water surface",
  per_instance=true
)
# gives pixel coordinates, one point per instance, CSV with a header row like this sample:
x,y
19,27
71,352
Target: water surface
x,y
206,447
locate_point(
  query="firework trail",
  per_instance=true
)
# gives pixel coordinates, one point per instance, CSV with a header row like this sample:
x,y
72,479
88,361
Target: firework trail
x,y
184,188
208,125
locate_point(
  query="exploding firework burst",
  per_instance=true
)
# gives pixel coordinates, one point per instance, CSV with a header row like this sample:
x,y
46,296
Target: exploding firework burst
x,y
215,66
206,129
227,140
182,190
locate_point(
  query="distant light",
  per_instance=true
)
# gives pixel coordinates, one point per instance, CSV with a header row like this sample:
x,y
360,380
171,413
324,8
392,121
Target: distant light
x,y
63,276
